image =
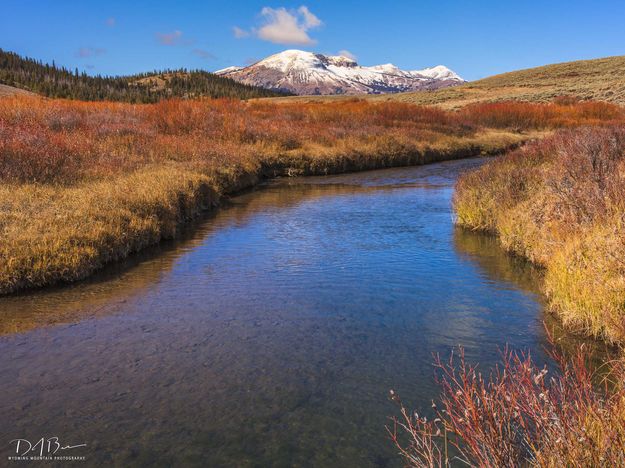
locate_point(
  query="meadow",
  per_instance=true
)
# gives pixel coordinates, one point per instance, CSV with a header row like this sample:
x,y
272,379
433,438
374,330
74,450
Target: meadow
x,y
599,79
84,184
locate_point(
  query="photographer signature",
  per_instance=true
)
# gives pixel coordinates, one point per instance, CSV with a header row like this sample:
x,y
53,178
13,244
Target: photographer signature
x,y
42,447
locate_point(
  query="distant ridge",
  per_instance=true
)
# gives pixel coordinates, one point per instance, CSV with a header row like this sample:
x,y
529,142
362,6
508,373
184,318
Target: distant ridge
x,y
308,73
59,82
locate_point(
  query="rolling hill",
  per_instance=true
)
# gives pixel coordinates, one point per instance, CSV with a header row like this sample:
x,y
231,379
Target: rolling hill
x,y
599,79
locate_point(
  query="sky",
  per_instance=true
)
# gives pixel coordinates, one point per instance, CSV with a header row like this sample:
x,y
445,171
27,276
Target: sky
x,y
474,38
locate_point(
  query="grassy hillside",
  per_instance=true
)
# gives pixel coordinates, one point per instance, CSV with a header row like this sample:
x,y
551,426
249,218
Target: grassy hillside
x,y
11,91
600,79
59,82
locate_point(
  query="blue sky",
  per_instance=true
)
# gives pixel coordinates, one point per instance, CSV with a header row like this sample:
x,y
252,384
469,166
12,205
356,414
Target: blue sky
x,y
474,38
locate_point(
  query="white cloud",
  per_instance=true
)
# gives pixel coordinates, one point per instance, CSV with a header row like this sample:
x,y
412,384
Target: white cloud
x,y
282,26
348,54
240,33
310,20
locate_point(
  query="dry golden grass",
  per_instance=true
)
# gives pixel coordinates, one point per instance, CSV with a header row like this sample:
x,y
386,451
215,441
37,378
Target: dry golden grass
x,y
600,80
56,233
561,203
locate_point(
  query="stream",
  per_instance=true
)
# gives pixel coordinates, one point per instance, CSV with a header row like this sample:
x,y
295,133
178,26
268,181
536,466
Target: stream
x,y
271,331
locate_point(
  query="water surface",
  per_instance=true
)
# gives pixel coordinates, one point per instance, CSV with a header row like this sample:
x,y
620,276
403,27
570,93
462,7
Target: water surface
x,y
271,333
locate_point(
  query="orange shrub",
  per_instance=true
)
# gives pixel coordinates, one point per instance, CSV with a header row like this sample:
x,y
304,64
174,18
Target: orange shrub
x,y
524,115
65,141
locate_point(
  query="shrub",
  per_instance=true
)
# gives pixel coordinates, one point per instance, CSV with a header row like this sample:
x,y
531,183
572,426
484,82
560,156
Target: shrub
x,y
518,416
522,116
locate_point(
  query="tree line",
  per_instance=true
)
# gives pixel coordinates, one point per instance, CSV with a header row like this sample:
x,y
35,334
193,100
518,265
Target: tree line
x,y
59,82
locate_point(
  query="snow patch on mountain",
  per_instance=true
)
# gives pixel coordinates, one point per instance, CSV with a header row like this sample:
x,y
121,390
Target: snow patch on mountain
x,y
225,71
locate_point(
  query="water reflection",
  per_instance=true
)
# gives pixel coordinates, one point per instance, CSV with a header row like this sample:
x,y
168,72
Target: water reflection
x,y
108,290
497,265
270,334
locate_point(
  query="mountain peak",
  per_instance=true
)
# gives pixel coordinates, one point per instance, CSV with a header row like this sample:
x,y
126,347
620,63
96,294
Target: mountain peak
x,y
289,59
386,68
305,72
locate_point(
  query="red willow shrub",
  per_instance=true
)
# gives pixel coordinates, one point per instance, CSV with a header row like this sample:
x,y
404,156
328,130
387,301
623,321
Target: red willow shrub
x,y
64,141
523,115
518,416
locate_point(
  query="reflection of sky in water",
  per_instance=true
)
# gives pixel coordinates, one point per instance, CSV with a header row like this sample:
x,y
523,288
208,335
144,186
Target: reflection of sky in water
x,y
272,333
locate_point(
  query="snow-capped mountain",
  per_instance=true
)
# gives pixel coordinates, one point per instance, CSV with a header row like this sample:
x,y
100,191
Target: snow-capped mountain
x,y
303,72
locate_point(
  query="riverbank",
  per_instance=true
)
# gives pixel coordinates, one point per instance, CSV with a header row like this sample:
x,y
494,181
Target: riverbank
x,y
55,234
85,184
560,203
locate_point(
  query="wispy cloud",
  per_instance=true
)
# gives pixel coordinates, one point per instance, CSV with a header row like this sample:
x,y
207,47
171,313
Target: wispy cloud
x,y
110,22
240,33
85,52
170,39
348,54
282,26
310,20
204,54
